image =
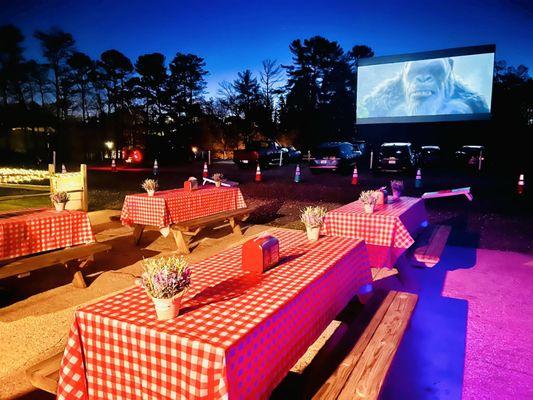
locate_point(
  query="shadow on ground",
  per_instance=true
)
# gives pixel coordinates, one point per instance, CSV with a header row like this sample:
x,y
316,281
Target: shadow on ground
x,y
429,363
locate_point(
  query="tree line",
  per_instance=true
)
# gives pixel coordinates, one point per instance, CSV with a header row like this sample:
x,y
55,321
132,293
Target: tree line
x,y
163,104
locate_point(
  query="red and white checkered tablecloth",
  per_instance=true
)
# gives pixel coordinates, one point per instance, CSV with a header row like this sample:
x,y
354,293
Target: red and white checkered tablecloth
x,y
33,231
237,334
388,232
171,206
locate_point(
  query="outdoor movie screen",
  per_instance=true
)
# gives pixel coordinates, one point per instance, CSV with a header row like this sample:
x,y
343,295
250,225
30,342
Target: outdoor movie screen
x,y
443,85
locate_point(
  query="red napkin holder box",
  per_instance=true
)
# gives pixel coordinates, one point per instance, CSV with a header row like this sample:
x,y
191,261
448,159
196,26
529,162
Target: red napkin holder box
x,y
190,185
260,254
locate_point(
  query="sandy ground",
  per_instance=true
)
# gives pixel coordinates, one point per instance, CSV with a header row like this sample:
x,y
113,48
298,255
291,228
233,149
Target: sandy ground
x,y
36,327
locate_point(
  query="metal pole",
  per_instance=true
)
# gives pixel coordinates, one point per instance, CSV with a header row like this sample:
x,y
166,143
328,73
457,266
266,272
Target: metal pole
x,y
371,158
280,158
480,160
54,159
209,157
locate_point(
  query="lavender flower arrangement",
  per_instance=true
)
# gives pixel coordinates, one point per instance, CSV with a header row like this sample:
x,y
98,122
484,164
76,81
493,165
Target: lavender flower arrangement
x,y
397,186
368,197
60,197
313,217
149,184
164,278
397,189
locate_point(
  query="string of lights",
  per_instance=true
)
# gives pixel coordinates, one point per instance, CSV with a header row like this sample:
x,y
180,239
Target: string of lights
x,y
21,175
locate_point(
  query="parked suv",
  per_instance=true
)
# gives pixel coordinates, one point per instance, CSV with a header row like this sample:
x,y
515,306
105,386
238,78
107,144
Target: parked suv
x,y
469,155
266,153
396,157
263,152
334,156
429,156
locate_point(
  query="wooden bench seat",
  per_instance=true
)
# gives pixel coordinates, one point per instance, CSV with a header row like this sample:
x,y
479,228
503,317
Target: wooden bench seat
x,y
45,375
361,373
430,245
75,258
184,231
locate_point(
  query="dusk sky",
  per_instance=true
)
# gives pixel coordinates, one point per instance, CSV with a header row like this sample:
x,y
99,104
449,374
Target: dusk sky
x,y
234,35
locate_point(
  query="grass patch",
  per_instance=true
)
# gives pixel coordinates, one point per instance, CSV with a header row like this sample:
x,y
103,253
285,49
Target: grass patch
x,y
31,202
98,200
106,199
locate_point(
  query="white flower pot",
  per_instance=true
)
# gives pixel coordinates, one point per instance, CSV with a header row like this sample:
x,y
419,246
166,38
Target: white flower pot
x,y
369,208
59,206
313,233
167,308
150,193
218,183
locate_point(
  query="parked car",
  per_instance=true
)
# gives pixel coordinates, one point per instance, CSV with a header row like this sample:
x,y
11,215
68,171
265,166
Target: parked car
x,y
334,156
264,152
290,154
396,157
429,156
132,155
469,155
361,146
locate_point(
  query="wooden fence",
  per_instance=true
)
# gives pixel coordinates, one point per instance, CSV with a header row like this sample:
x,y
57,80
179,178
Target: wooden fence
x,y
74,183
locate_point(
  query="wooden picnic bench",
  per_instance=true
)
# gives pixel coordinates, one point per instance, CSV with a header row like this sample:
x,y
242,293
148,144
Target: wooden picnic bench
x,y
185,231
361,373
350,360
430,244
45,375
73,258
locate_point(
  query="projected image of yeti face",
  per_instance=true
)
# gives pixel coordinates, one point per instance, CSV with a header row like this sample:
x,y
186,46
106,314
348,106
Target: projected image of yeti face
x,y
425,85
428,87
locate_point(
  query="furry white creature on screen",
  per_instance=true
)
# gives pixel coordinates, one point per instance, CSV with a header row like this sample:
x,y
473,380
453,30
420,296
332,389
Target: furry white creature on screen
x,y
424,87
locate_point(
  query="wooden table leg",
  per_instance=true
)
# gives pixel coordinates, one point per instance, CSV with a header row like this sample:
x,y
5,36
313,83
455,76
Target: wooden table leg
x,y
235,225
137,232
78,281
181,241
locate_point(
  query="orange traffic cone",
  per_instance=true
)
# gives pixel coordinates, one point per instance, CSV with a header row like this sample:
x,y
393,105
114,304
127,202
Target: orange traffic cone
x,y
205,173
520,189
355,176
297,174
258,176
113,165
418,179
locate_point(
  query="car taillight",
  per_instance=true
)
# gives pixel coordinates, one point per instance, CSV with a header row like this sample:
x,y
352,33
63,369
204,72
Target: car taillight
x,y
137,156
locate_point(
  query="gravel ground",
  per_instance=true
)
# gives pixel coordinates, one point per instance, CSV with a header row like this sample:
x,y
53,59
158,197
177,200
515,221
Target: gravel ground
x,y
496,219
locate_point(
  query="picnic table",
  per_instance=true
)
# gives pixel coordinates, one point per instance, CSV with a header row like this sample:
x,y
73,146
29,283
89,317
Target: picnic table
x,y
32,231
169,207
237,334
388,232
